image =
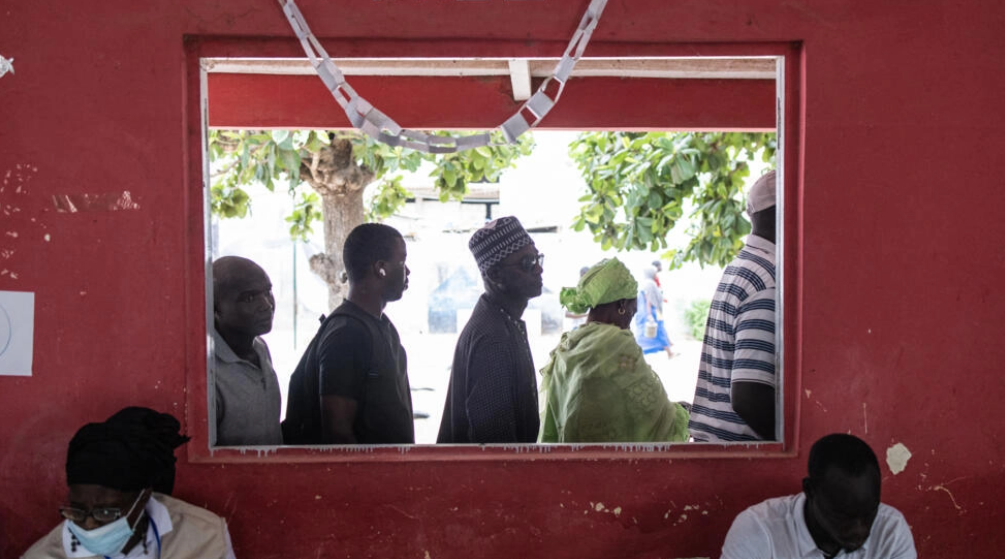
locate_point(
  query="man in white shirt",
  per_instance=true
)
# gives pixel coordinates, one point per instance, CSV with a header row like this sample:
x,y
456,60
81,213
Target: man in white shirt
x,y
838,514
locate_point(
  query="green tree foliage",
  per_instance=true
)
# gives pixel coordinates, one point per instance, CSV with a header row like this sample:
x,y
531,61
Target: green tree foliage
x,y
337,166
280,157
640,184
696,315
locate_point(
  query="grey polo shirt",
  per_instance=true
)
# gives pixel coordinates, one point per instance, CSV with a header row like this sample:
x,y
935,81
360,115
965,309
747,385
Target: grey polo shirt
x,y
246,397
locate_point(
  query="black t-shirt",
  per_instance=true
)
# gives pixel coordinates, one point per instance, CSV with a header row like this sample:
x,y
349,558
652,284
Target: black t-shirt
x,y
357,356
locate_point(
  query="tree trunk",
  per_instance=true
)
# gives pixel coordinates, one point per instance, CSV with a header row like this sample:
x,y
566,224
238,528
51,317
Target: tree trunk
x,y
342,213
334,174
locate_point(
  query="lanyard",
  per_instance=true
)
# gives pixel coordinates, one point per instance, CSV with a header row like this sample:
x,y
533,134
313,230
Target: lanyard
x,y
157,538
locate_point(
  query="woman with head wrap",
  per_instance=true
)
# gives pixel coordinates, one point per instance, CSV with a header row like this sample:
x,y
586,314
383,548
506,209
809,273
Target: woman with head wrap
x,y
597,387
650,332
120,474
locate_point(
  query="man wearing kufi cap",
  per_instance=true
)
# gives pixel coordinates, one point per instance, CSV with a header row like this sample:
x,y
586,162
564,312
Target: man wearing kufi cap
x,y
735,396
492,396
597,386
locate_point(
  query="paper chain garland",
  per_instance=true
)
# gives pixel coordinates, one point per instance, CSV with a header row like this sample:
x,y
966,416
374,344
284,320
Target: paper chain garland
x,y
383,128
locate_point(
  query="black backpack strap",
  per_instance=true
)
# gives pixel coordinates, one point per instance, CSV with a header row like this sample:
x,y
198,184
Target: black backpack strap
x,y
299,423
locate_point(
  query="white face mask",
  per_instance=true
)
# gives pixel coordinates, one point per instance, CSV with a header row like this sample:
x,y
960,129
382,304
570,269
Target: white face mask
x,y
109,539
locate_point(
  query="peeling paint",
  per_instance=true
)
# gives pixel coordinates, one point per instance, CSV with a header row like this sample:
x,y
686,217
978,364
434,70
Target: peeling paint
x,y
897,457
6,65
808,393
951,497
47,237
865,417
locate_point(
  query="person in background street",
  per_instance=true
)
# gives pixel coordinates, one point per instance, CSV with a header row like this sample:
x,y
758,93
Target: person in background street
x,y
658,265
492,396
351,385
244,386
120,475
597,387
838,514
650,330
735,396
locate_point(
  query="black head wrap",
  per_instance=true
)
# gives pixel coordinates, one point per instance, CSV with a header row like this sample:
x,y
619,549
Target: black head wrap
x,y
131,451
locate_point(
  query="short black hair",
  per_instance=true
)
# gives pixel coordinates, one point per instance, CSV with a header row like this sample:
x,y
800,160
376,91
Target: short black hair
x,y
847,453
227,270
366,244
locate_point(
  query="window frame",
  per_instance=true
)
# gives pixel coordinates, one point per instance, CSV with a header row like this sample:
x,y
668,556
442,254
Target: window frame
x,y
790,128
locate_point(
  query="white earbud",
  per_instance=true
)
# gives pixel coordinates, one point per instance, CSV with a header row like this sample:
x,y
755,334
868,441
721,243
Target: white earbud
x,y
381,272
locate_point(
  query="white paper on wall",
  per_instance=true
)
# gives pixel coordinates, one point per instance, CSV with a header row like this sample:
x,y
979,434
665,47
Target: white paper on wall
x,y
17,331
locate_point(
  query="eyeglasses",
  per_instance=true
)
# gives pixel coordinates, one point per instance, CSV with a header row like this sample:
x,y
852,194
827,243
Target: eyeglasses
x,y
101,514
528,262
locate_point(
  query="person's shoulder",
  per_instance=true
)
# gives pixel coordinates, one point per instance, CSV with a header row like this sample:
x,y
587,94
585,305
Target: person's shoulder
x,y
195,531
344,327
891,535
775,507
611,337
189,514
890,516
486,321
50,546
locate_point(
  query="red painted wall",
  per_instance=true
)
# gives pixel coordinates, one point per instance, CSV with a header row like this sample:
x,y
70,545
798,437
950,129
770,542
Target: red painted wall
x,y
895,223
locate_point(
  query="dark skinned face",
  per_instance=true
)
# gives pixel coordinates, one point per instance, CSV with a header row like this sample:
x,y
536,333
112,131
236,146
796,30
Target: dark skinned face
x,y
395,278
247,306
88,497
841,508
519,274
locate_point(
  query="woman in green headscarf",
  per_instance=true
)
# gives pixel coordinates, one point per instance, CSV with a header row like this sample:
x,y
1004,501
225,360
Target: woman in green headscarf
x,y
597,387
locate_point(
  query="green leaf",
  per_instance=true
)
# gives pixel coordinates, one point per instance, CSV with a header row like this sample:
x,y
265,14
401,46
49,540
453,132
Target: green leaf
x,y
280,136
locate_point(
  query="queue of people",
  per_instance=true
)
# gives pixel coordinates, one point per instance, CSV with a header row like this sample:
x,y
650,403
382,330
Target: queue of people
x,y
351,385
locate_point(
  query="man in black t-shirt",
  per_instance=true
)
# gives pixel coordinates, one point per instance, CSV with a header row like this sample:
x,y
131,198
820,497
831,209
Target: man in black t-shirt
x,y
351,386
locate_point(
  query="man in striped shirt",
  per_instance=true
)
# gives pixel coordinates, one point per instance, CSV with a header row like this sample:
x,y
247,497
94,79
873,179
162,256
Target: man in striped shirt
x,y
735,396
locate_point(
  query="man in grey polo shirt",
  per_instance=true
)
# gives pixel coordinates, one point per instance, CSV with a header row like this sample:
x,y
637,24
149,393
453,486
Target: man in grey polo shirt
x,y
243,385
838,514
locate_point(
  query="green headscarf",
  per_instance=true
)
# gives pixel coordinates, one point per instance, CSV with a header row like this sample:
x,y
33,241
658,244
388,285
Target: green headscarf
x,y
607,281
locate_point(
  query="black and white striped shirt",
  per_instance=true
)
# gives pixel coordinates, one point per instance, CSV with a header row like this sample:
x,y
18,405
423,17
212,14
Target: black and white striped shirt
x,y
739,343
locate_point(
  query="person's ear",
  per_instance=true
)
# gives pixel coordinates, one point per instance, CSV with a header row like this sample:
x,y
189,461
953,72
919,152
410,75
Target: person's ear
x,y
494,276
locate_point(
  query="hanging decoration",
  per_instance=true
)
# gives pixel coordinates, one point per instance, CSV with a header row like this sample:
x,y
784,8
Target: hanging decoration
x,y
383,128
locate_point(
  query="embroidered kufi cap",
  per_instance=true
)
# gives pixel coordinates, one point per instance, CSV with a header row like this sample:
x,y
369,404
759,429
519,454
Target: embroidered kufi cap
x,y
496,240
